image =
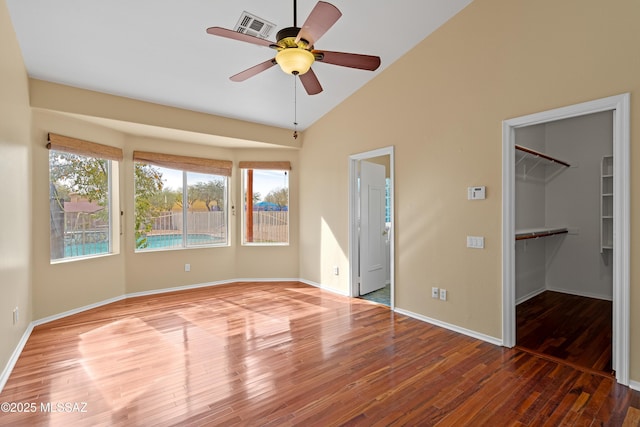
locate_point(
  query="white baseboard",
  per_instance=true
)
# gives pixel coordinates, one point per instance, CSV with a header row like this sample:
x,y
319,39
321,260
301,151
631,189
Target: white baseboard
x,y
581,294
454,328
182,288
62,315
14,356
634,385
176,289
529,296
563,291
324,288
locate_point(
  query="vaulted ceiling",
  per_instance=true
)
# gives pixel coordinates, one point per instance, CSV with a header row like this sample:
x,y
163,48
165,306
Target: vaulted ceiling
x,y
159,50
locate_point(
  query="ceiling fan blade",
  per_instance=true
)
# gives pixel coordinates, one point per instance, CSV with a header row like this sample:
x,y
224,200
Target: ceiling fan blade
x,y
250,72
230,34
351,60
310,82
321,18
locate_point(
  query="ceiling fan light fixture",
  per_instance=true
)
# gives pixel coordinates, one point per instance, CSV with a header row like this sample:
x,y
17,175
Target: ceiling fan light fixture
x,y
295,61
295,48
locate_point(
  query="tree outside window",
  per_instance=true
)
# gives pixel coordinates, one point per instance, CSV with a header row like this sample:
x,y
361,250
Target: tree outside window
x,y
179,209
79,205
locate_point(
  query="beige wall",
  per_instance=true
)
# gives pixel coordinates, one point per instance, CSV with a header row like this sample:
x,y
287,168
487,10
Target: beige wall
x,y
441,106
67,285
154,270
97,117
15,188
56,97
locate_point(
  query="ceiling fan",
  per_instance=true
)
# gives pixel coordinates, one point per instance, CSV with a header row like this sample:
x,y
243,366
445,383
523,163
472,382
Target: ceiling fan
x,y
296,51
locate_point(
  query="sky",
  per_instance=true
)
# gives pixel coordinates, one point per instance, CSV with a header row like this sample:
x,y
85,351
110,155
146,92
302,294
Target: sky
x,y
263,180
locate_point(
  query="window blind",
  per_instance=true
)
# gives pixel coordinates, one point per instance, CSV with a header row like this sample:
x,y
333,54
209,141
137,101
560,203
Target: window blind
x,y
190,164
284,165
83,148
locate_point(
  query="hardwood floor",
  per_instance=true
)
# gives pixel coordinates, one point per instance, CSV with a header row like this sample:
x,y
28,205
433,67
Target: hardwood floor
x,y
278,354
572,328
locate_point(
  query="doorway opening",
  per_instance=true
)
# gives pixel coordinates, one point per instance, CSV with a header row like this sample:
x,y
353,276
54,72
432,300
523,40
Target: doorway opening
x,y
371,230
613,241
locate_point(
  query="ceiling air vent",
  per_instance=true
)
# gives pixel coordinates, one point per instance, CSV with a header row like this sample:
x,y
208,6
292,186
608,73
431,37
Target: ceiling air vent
x,y
254,26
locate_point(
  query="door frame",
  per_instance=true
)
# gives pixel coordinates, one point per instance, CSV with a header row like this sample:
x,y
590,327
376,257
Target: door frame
x,y
620,106
353,219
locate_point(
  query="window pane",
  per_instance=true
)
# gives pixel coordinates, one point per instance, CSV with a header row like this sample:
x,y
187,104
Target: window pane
x,y
160,216
206,218
79,208
387,200
266,212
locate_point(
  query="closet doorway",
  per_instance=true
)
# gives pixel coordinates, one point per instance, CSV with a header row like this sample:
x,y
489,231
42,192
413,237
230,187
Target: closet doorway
x,y
561,170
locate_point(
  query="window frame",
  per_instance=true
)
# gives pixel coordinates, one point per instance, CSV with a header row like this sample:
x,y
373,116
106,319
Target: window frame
x,y
245,167
186,165
113,156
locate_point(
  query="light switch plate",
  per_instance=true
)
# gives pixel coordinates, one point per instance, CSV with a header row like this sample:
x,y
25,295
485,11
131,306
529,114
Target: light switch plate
x,y
475,242
476,193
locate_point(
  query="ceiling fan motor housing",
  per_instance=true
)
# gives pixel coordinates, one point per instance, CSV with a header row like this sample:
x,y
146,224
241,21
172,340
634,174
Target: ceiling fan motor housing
x,y
288,35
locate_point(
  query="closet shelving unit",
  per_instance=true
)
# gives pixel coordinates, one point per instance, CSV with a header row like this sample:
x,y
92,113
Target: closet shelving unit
x,y
606,204
534,159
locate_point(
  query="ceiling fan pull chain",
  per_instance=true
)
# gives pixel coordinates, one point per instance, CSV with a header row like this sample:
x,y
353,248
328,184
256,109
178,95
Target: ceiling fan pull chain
x,y
295,108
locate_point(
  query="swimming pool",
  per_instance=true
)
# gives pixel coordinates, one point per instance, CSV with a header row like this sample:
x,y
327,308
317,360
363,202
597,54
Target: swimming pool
x,y
158,241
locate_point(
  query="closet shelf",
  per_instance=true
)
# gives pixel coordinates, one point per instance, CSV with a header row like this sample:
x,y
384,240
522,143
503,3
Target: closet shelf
x,y
606,203
539,155
539,232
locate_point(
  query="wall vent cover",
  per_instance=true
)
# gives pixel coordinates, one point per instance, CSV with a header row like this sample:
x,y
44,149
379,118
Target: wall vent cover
x,y
254,26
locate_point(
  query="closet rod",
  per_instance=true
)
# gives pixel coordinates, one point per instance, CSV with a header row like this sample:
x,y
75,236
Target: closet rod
x,y
537,234
544,156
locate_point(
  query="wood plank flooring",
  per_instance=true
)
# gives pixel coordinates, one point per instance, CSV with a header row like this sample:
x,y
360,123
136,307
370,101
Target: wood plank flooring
x,y
279,354
569,327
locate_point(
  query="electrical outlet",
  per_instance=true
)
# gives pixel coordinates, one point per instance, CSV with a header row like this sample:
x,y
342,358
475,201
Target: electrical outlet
x,y
443,294
187,267
336,270
16,315
434,292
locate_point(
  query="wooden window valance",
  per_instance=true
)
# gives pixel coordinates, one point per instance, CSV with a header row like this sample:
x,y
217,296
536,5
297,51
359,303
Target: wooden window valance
x,y
83,148
185,163
284,165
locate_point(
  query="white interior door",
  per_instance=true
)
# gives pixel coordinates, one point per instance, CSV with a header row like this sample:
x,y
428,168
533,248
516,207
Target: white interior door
x,y
372,227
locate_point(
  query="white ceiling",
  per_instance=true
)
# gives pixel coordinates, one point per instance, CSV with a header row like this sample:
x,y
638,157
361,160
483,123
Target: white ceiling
x,y
159,51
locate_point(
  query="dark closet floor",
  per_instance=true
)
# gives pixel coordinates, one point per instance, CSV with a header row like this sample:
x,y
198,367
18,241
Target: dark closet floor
x,y
572,328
